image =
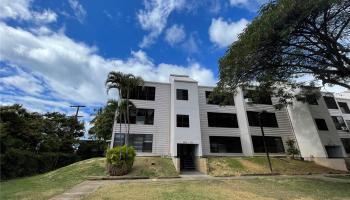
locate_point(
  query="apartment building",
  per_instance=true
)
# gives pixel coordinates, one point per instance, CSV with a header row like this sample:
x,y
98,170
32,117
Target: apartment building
x,y
177,119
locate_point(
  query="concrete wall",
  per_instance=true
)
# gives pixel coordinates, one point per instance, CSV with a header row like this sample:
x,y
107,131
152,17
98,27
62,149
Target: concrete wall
x,y
185,135
305,130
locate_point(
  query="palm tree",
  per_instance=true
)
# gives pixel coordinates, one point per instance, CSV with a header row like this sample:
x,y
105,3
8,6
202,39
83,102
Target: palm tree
x,y
131,83
124,83
115,81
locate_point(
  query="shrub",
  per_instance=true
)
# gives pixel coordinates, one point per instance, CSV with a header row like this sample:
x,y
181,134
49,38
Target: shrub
x,y
292,149
91,148
18,163
120,160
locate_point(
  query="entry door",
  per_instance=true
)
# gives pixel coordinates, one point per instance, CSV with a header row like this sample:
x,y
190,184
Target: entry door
x,y
186,153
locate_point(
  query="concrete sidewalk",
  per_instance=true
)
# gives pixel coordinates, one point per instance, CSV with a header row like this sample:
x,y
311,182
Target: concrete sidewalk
x,y
85,188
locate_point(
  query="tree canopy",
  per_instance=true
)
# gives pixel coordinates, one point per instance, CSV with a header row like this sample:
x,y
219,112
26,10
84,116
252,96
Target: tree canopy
x,y
287,40
35,132
103,121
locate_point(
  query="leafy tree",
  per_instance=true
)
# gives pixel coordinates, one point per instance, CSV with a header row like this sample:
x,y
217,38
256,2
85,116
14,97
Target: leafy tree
x,y
103,121
34,132
292,149
288,40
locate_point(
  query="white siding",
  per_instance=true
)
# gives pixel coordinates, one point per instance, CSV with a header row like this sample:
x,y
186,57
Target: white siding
x,y
160,128
207,131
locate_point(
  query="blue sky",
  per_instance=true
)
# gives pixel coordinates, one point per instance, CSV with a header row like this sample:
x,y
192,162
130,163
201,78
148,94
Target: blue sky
x,y
57,53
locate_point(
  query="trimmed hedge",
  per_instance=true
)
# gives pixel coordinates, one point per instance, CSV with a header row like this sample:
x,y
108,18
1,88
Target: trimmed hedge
x,y
19,163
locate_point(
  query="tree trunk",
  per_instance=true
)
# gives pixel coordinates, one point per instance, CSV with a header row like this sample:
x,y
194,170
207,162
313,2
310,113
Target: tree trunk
x,y
128,118
120,124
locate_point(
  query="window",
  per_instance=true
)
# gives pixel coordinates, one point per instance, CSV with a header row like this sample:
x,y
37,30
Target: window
x,y
142,93
217,100
258,98
344,107
311,99
268,119
321,124
219,144
228,120
119,139
145,116
140,116
330,101
348,123
274,144
181,94
182,121
141,142
339,123
346,144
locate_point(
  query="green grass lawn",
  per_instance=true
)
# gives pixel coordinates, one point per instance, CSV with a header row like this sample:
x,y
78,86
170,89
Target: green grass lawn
x,y
257,188
46,185
55,182
346,177
233,166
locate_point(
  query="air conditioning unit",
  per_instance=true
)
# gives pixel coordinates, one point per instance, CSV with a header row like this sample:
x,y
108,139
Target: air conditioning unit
x,y
248,100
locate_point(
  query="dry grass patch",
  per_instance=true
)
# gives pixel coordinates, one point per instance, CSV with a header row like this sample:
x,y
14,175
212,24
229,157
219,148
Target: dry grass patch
x,y
235,166
153,167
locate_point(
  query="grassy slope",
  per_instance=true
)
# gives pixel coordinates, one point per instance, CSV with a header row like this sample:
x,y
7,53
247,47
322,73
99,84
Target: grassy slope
x,y
153,167
229,166
46,185
258,188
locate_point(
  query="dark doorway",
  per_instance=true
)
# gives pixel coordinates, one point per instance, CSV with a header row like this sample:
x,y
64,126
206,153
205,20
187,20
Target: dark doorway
x,y
186,153
334,151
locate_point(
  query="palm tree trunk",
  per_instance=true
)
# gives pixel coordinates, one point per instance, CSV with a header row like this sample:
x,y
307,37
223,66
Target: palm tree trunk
x,y
128,117
120,123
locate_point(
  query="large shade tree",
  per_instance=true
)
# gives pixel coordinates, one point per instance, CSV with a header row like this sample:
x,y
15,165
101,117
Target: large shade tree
x,y
287,40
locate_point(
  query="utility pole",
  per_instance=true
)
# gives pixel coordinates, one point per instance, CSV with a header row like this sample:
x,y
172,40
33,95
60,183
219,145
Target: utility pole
x,y
263,136
77,112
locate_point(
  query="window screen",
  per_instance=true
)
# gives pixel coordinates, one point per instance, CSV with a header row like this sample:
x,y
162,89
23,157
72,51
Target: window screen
x,y
181,94
321,124
182,121
274,144
330,102
220,144
228,120
268,119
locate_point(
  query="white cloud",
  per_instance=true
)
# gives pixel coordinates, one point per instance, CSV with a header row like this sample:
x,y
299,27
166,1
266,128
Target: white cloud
x,y
20,10
191,44
223,33
238,2
250,5
175,34
74,71
23,81
154,16
78,9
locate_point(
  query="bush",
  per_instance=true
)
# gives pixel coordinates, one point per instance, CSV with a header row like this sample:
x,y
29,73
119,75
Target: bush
x,y
120,160
292,149
18,163
91,148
